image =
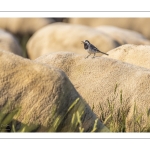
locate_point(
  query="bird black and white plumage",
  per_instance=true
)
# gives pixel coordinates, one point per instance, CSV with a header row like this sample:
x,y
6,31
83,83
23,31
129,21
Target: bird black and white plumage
x,y
91,49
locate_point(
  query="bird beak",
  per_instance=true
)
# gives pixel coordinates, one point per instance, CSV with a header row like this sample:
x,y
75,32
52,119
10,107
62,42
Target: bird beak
x,y
82,42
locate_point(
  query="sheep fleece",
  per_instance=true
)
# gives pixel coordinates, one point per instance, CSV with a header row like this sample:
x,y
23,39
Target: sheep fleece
x,y
95,80
140,25
9,43
37,89
134,54
67,37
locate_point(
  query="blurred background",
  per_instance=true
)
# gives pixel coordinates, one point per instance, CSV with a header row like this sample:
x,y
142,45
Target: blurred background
x,y
66,34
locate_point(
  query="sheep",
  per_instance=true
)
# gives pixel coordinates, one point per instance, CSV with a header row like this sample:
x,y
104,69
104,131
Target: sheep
x,y
40,98
134,54
24,25
124,36
67,37
96,80
9,43
140,25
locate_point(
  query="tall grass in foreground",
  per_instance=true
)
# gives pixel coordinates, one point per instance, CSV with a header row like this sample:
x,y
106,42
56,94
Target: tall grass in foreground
x,y
115,120
75,122
71,120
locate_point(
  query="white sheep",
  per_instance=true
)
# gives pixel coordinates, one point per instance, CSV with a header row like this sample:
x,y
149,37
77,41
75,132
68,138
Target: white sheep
x,y
9,43
67,37
41,98
140,25
24,25
96,80
134,54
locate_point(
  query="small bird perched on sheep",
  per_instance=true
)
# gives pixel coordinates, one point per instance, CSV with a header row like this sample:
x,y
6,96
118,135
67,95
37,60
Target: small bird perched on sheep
x,y
91,49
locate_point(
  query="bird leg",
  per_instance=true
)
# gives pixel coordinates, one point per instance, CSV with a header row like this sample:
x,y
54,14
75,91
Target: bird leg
x,y
87,56
94,55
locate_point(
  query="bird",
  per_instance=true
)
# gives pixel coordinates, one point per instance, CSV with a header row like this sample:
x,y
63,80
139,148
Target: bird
x,y
91,49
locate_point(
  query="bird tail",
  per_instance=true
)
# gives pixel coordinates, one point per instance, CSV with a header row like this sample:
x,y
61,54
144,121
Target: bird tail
x,y
104,53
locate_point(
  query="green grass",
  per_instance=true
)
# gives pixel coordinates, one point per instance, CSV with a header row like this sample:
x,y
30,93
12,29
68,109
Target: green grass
x,y
23,41
72,118
116,120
